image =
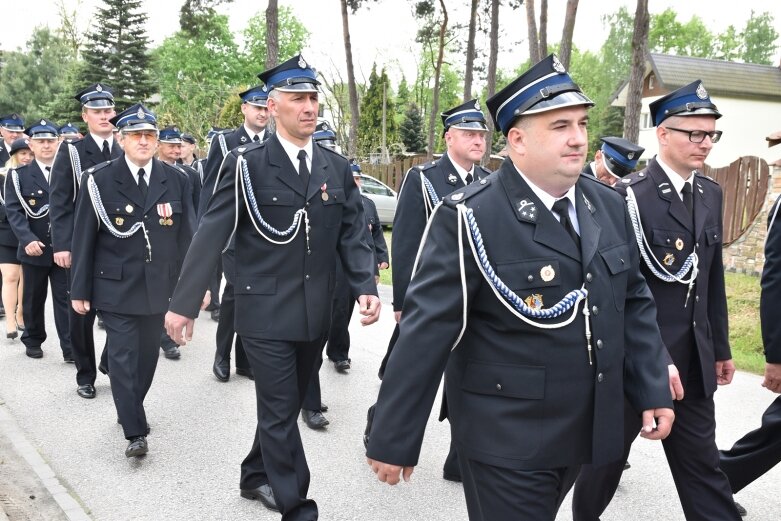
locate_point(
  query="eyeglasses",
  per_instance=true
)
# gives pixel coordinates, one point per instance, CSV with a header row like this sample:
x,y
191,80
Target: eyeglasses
x,y
698,136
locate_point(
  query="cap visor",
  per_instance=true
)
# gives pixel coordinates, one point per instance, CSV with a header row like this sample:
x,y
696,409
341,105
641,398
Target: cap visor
x,y
98,104
565,99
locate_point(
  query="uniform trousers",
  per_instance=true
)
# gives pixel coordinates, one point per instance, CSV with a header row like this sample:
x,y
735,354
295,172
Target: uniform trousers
x,y
226,329
133,342
342,306
496,493
83,341
703,489
391,344
282,372
36,284
756,452
214,287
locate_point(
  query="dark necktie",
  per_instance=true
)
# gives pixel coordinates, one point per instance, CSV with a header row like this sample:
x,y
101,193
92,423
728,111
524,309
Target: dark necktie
x,y
303,171
561,207
686,193
48,174
469,178
256,138
142,183
106,151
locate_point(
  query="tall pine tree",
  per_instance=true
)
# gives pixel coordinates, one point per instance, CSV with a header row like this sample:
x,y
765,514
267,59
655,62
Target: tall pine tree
x,y
411,130
116,52
370,125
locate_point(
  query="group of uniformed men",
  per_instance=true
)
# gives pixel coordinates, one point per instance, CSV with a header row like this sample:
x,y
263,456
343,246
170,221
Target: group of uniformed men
x,y
567,316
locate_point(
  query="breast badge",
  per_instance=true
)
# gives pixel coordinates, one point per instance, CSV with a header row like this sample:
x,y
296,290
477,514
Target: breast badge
x,y
547,273
669,259
534,301
119,221
31,202
679,244
129,208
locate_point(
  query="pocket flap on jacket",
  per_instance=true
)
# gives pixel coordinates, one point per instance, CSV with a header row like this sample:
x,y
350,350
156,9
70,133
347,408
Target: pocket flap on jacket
x,y
515,381
108,271
255,285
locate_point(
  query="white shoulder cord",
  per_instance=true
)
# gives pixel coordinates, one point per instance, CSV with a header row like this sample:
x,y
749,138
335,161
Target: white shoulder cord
x,y
76,166
40,214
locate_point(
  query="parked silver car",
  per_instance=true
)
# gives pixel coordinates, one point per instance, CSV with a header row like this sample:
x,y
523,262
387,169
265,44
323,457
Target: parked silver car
x,y
383,196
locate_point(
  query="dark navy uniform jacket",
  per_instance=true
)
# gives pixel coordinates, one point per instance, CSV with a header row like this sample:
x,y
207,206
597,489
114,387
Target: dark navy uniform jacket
x,y
112,273
519,396
375,237
7,236
214,158
65,186
411,216
282,291
770,299
696,334
5,148
34,190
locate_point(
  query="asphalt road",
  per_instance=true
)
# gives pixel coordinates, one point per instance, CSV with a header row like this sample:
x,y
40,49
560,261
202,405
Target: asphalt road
x,y
202,429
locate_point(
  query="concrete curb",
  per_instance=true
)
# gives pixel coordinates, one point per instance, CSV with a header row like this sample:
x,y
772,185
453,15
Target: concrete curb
x,y
70,507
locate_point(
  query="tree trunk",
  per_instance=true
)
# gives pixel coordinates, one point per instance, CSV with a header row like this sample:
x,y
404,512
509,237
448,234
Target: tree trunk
x,y
470,51
543,29
565,49
634,100
432,117
272,34
352,144
534,39
493,54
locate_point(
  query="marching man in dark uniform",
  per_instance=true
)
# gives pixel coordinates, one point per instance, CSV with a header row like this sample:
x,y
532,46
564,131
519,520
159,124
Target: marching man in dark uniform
x,y
301,208
73,158
254,108
616,158
11,129
27,208
677,216
760,450
134,221
69,133
423,187
527,292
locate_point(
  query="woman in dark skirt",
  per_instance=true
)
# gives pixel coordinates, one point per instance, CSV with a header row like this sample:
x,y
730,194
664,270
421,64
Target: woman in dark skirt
x,y
10,266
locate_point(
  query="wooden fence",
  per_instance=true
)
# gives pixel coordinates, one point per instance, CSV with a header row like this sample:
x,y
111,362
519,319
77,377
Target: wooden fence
x,y
392,174
745,184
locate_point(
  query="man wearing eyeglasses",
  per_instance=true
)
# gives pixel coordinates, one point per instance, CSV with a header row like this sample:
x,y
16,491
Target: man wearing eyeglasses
x,y
679,213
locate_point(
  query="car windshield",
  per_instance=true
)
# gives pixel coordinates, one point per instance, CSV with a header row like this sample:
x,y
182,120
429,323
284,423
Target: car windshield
x,y
372,186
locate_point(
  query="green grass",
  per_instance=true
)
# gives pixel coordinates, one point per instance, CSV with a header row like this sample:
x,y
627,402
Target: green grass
x,y
744,334
743,305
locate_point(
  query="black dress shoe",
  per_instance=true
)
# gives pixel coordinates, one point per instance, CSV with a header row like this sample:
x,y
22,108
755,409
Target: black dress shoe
x,y
103,369
221,370
314,419
86,391
742,511
137,447
264,494
342,365
216,315
34,352
172,353
245,372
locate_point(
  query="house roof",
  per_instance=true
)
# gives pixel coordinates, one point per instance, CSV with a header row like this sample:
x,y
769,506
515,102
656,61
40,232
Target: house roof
x,y
721,78
730,79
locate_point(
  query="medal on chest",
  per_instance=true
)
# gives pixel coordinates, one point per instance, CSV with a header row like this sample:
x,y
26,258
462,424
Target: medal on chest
x,y
165,212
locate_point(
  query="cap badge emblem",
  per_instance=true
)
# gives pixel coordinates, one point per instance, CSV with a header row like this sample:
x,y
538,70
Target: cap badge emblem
x,y
477,105
557,66
534,301
701,92
98,88
265,89
630,156
140,113
547,273
43,122
301,62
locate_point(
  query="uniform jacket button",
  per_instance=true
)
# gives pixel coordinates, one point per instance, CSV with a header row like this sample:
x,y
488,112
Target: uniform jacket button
x,y
307,277
594,310
600,377
249,288
599,344
498,387
530,278
589,277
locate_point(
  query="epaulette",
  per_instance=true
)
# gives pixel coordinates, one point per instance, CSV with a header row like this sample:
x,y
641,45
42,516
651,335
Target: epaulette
x,y
243,149
633,179
426,166
699,175
101,166
462,194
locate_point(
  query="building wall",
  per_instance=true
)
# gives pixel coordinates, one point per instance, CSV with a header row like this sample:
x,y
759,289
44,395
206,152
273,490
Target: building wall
x,y
746,255
745,123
